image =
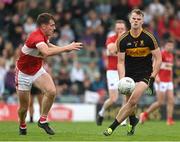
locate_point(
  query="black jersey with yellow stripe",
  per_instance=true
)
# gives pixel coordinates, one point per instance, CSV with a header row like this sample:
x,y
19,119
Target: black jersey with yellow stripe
x,y
138,57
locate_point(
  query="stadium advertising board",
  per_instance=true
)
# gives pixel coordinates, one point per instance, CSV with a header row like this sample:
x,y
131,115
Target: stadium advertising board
x,y
59,112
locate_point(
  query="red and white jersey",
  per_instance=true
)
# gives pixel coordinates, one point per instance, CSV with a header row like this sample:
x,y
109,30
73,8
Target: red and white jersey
x,y
112,60
165,73
30,60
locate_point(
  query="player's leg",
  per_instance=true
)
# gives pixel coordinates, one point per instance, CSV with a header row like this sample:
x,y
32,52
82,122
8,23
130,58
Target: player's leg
x,y
113,95
133,121
40,97
46,84
22,111
34,92
23,87
125,99
160,95
170,104
31,108
112,80
128,108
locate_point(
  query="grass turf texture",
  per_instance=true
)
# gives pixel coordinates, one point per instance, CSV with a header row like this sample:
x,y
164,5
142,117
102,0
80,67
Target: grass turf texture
x,y
88,131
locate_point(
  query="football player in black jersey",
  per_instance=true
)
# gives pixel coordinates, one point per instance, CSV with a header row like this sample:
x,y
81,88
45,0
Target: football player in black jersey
x,y
139,57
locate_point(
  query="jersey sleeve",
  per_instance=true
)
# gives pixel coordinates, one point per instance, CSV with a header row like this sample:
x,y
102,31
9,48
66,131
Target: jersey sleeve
x,y
121,45
153,44
34,40
39,39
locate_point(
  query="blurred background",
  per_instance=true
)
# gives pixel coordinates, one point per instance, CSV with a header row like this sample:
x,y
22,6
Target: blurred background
x,y
80,76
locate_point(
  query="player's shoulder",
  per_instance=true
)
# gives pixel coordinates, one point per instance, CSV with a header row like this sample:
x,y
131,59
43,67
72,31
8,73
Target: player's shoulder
x,y
123,37
148,34
112,37
36,33
150,37
35,36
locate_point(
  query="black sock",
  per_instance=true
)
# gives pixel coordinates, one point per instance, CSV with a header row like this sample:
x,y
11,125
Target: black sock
x,y
114,125
132,119
31,119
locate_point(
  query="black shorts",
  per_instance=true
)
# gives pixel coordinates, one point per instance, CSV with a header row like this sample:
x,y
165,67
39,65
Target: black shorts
x,y
139,77
35,90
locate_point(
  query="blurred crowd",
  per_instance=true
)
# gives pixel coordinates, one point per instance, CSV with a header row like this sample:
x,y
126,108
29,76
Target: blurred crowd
x,y
90,21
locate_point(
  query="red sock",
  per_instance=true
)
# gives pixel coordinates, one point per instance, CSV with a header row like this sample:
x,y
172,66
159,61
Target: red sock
x,y
170,118
146,114
23,125
43,119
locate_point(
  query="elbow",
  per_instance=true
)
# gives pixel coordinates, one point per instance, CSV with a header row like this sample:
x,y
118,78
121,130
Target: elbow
x,y
160,61
45,54
157,61
158,64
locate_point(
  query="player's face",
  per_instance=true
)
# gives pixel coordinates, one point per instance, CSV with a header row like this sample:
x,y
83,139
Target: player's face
x,y
136,21
49,28
120,28
169,46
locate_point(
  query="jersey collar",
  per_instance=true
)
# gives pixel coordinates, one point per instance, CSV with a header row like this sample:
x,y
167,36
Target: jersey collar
x,y
134,35
46,37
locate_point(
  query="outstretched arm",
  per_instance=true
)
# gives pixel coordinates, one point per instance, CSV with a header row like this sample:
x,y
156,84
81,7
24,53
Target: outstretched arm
x,y
46,51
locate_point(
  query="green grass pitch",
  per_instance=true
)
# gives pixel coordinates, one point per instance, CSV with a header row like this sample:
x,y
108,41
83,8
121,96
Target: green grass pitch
x,y
88,131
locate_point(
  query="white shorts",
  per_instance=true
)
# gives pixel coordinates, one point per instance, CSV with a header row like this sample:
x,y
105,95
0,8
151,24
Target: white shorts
x,y
24,81
112,79
163,86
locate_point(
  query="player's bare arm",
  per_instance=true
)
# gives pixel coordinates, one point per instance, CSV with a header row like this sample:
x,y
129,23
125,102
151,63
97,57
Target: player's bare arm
x,y
157,79
156,62
46,51
120,65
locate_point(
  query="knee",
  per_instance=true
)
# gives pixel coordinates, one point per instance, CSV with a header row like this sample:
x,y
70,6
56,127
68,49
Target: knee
x,y
132,102
31,104
171,101
52,92
112,99
160,103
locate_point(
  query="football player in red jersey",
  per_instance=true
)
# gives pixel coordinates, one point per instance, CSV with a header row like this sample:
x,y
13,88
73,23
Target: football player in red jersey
x,y
112,72
164,85
29,70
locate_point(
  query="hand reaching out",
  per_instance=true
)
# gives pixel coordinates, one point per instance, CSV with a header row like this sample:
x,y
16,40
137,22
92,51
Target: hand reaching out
x,y
75,46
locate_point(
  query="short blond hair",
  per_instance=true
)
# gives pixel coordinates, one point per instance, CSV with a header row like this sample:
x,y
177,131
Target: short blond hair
x,y
137,11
